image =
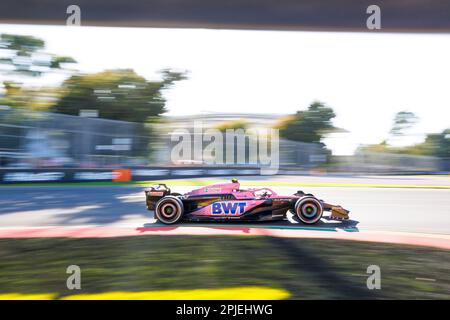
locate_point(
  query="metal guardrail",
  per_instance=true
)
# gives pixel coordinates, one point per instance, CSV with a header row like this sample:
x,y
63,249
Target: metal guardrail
x,y
58,175
61,175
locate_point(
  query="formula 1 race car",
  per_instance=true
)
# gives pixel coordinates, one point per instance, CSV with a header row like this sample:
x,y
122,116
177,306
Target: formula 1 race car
x,y
229,202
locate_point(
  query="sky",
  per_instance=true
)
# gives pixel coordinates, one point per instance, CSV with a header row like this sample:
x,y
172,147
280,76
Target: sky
x,y
365,77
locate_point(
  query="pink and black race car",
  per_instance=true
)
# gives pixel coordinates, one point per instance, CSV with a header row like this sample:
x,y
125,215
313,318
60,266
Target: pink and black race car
x,y
229,202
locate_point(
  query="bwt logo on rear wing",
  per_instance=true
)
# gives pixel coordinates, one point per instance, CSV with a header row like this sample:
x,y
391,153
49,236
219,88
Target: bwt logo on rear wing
x,y
231,207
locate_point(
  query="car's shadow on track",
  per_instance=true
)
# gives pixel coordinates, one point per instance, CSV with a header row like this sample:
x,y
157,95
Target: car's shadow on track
x,y
325,224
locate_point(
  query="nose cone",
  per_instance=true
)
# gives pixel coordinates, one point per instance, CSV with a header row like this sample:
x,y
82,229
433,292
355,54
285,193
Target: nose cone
x,y
337,212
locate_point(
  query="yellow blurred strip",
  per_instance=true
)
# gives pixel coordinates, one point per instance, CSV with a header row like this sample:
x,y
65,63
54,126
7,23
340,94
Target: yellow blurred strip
x,y
237,293
24,296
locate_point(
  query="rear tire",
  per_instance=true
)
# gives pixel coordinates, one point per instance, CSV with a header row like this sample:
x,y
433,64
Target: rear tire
x,y
169,210
308,209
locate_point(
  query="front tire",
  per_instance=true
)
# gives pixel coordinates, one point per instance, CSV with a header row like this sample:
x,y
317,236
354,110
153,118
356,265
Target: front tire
x,y
169,210
308,209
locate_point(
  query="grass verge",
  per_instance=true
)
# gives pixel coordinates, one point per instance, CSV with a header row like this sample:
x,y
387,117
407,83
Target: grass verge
x,y
304,268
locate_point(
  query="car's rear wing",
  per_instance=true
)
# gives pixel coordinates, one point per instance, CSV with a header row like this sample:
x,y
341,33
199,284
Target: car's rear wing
x,y
154,193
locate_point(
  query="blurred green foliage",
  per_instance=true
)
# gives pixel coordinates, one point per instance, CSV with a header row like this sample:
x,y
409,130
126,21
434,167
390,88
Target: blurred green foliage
x,y
37,99
435,144
233,125
403,120
307,268
308,125
116,95
25,55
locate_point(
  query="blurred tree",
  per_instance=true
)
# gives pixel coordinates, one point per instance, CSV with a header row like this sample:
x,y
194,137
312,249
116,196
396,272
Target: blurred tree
x,y
435,144
38,99
24,55
116,94
13,95
403,120
308,125
169,76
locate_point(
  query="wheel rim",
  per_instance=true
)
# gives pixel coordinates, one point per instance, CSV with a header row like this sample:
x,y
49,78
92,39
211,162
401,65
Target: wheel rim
x,y
168,210
309,210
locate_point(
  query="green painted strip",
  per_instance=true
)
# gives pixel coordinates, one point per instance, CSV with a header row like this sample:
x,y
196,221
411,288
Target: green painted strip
x,y
301,228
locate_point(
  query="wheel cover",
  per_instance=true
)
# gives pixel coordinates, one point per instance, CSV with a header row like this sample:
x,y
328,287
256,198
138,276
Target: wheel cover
x,y
168,210
309,210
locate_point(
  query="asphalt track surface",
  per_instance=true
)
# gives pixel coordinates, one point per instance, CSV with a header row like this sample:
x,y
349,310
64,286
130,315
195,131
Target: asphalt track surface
x,y
372,209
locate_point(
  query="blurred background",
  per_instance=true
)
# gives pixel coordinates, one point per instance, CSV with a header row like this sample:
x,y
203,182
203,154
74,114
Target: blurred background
x,y
91,97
